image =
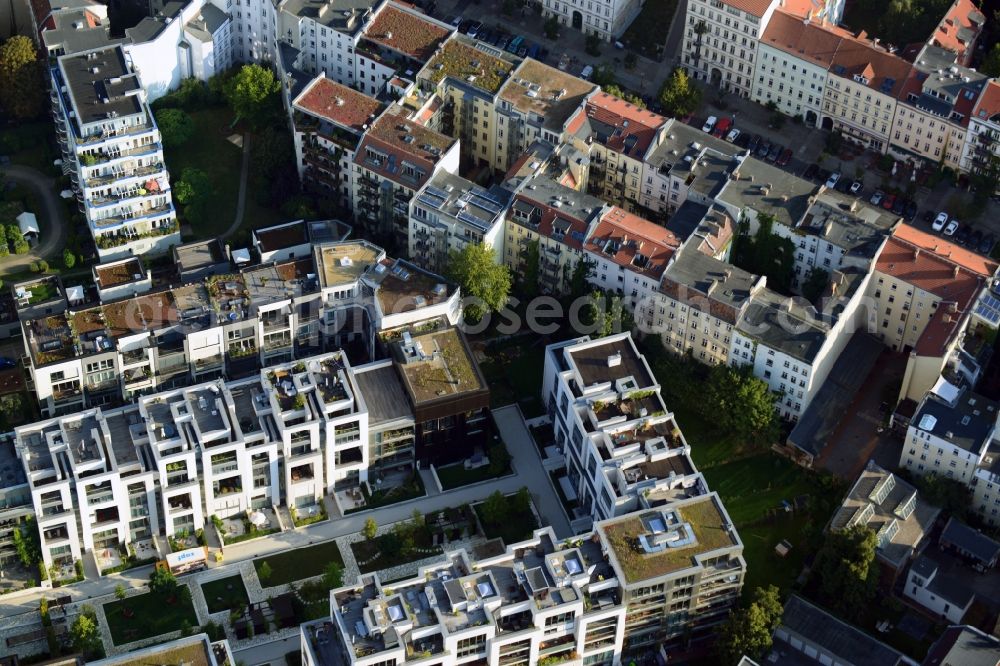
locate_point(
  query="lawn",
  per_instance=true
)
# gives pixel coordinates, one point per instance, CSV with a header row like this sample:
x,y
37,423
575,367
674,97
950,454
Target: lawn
x,y
225,594
413,488
149,615
516,526
293,565
752,486
648,32
514,374
454,476
210,150
390,554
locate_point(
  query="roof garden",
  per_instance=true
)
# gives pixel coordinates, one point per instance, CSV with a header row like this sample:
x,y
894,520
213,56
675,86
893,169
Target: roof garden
x,y
626,537
123,272
469,64
437,364
37,291
51,339
229,295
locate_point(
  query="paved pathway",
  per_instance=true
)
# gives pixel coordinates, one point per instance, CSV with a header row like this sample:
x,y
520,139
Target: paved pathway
x,y
51,216
241,200
528,472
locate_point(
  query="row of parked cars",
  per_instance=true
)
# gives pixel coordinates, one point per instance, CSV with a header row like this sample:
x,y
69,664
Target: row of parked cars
x,y
500,38
974,239
723,128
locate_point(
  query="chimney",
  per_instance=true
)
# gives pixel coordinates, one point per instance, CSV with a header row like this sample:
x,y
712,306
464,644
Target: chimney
x,y
916,254
954,272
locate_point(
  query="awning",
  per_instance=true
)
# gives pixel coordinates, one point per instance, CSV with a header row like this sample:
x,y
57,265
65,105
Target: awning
x,y
28,223
74,294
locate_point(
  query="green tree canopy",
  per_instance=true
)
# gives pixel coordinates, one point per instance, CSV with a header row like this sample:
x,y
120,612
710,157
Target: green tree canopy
x,y
264,572
679,96
176,126
815,284
193,191
495,508
740,403
950,494
86,635
475,269
333,576
370,529
765,253
748,631
634,100
253,94
991,63
68,259
22,92
161,581
529,276
846,570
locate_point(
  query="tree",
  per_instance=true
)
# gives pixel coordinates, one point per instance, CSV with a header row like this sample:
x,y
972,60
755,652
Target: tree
x,y
333,576
815,284
21,246
193,190
634,100
176,127
264,572
85,634
253,94
26,542
494,509
68,258
607,314
529,276
678,96
551,27
991,63
475,269
41,266
11,409
604,76
846,570
120,592
522,501
161,581
740,403
370,529
22,91
765,253
578,281
950,494
748,631
592,45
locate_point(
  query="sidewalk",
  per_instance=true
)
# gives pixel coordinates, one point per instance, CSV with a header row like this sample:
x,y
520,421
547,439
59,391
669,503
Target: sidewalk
x,y
528,472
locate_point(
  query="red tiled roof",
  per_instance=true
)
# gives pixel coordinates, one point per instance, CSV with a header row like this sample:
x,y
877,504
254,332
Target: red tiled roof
x,y
637,239
404,141
958,18
339,104
812,41
406,32
989,102
755,7
572,229
968,260
857,57
628,121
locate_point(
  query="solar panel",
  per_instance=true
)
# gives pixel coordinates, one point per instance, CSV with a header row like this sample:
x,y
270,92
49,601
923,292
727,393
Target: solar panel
x,y
438,192
469,218
989,314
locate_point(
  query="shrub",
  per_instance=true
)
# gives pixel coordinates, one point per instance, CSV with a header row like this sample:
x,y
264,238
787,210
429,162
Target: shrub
x,y
68,258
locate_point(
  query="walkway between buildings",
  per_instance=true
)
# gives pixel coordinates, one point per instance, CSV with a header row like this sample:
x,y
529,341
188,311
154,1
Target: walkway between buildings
x,y
528,472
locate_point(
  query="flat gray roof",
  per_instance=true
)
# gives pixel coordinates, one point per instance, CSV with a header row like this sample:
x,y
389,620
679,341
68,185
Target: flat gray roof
x,y
787,195
968,423
848,223
780,323
383,393
711,277
342,15
112,81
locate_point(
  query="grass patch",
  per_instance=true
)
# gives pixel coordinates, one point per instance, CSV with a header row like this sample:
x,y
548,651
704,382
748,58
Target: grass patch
x,y
149,615
455,476
516,526
225,594
647,34
391,552
752,486
412,489
210,150
514,374
293,565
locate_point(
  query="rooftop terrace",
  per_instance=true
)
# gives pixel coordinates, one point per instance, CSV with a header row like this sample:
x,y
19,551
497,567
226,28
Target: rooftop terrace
x,y
436,365
610,361
344,263
404,287
113,275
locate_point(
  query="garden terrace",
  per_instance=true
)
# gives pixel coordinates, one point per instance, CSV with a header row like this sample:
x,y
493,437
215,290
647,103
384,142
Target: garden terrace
x,y
438,364
469,65
330,380
609,362
338,105
630,408
148,312
406,32
269,284
90,330
38,291
51,339
709,526
229,296
113,275
646,433
546,91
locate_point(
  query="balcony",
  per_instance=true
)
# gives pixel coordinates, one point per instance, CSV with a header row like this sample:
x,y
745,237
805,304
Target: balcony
x,y
218,469
134,172
104,135
144,213
213,361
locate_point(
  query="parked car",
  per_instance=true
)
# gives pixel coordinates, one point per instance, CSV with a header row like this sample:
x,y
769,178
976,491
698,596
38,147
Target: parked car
x,y
515,44
774,153
754,142
810,172
986,245
963,235
951,228
911,210
533,51
585,74
743,141
722,127
940,221
856,188
709,124
473,29
7,363
784,158
763,149
456,21
889,202
975,239
832,181
733,135
877,198
899,206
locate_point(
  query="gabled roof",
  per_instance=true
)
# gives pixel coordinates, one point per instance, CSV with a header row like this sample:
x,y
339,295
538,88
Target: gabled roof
x,y
959,29
621,126
633,242
954,253
884,71
401,143
988,107
339,104
812,42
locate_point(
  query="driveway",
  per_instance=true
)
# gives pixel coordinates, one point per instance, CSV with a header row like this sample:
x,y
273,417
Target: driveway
x,y
52,220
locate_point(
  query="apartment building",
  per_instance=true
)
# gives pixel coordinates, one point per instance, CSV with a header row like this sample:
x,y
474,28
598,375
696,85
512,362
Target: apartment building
x,y
559,220
451,212
792,63
608,19
700,301
892,508
981,149
15,502
623,450
959,31
197,649
329,120
536,103
121,279
582,598
467,75
618,137
628,255
112,153
934,108
747,187
70,27
861,93
394,160
323,34
950,433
